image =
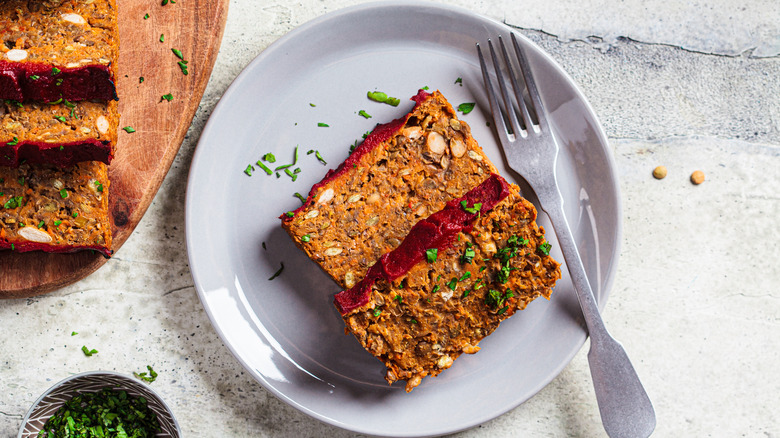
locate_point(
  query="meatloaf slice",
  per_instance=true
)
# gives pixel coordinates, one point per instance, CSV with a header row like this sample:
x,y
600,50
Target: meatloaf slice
x,y
62,134
455,277
55,210
52,50
402,172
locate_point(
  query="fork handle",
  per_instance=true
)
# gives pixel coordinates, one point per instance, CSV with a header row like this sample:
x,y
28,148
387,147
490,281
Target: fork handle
x,y
625,408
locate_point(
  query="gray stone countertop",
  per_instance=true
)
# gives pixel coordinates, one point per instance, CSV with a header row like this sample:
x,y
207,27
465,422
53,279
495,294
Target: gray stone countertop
x,y
688,85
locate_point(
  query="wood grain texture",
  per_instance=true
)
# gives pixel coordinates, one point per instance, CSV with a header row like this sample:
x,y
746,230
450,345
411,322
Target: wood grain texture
x,y
142,158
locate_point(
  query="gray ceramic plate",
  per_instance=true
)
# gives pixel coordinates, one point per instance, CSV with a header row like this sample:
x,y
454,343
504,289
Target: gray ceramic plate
x,y
286,332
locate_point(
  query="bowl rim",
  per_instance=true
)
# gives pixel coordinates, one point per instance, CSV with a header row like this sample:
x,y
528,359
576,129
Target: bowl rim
x,y
93,373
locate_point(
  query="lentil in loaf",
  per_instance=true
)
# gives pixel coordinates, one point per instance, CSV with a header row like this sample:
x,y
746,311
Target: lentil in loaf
x,y
419,322
58,49
55,210
403,172
62,134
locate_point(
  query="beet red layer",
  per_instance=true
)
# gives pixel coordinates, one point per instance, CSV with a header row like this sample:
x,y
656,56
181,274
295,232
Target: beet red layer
x,y
379,135
60,154
25,81
437,231
36,246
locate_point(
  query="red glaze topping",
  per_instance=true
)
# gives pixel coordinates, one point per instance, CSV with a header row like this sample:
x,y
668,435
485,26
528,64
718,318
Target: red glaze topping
x,y
437,231
88,82
380,134
34,246
47,153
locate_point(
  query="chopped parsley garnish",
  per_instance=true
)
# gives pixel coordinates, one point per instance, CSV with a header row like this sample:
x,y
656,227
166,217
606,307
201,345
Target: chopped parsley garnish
x,y
162,38
178,54
364,114
129,129
87,351
473,209
544,248
99,186
58,82
277,273
399,298
41,224
74,333
55,102
312,105
435,289
452,284
319,157
75,214
146,17
431,254
57,223
466,107
249,169
299,196
269,157
425,88
64,193
289,214
13,142
459,81
494,299
150,378
467,255
106,413
183,67
34,77
141,80
264,167
377,311
295,161
61,119
55,71
168,97
323,125
517,241
378,96
465,276
305,238
13,202
466,293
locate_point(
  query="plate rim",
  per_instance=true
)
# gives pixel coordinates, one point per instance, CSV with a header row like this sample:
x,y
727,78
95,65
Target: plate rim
x,y
279,44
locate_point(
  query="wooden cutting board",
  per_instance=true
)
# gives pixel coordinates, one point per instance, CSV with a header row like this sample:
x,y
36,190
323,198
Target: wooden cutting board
x,y
142,159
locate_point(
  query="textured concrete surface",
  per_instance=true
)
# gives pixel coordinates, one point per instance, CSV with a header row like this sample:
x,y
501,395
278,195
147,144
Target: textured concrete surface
x,y
691,86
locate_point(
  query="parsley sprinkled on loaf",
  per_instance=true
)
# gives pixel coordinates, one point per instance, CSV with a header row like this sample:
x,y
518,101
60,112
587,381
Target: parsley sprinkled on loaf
x,y
455,277
63,134
58,50
403,172
55,210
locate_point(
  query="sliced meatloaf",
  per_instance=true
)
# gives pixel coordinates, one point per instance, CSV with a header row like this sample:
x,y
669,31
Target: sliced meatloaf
x,y
63,134
455,277
402,172
58,49
55,210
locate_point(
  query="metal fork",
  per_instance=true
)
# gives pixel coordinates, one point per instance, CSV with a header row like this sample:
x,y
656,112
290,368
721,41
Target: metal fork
x,y
626,410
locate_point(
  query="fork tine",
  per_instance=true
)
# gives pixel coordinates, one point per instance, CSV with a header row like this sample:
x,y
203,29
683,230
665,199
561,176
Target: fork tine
x,y
527,122
510,109
495,109
533,91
